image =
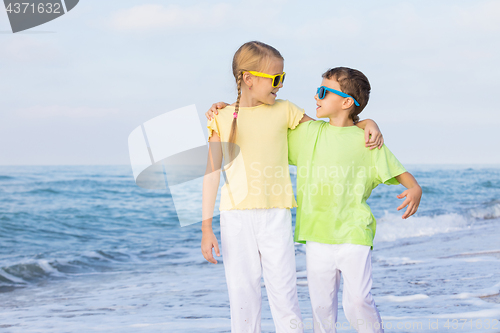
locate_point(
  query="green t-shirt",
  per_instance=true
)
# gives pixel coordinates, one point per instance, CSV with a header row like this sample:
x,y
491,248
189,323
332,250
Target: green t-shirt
x,y
336,174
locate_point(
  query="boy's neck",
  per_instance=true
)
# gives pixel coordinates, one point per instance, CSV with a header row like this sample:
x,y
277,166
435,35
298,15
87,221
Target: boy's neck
x,y
341,120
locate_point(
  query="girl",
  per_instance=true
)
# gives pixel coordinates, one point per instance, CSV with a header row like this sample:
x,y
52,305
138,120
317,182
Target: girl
x,y
255,218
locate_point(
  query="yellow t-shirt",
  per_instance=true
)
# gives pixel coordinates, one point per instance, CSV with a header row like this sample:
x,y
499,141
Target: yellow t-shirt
x,y
258,177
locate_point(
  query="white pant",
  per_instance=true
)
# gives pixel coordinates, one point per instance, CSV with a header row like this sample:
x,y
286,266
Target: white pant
x,y
255,241
325,263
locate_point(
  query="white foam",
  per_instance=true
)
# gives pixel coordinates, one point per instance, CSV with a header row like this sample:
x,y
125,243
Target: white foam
x,y
490,291
486,313
477,277
45,265
302,274
391,227
408,298
397,261
94,254
140,325
489,212
478,259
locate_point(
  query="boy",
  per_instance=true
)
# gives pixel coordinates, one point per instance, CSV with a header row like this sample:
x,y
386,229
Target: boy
x,y
335,176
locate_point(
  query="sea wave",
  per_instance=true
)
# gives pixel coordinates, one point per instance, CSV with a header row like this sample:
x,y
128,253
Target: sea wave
x,y
391,227
490,210
27,271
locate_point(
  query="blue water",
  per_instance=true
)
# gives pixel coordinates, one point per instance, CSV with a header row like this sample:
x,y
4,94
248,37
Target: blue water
x,y
79,220
82,248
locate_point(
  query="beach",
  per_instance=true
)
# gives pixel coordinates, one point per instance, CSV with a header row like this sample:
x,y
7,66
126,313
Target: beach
x,y
83,249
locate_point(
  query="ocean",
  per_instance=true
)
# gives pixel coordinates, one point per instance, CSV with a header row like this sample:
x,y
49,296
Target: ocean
x,y
84,249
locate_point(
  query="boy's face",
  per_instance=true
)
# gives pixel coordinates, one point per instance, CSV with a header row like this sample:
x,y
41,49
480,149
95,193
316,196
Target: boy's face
x,y
331,105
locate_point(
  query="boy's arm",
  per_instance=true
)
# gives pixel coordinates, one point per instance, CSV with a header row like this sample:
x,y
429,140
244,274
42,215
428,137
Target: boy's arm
x,y
214,109
412,194
370,127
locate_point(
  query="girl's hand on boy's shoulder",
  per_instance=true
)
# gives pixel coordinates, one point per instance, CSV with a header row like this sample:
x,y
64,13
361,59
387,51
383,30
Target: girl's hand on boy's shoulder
x,y
215,109
413,196
376,140
373,136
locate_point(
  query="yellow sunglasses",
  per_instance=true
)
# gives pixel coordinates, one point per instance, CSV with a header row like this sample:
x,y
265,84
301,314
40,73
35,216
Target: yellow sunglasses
x,y
277,79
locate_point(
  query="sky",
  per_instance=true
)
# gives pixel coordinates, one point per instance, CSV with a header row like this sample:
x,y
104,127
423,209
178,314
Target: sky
x,y
73,89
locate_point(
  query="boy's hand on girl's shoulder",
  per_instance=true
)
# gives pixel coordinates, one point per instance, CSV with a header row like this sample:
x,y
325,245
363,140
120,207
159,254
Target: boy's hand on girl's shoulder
x,y
209,241
413,196
215,109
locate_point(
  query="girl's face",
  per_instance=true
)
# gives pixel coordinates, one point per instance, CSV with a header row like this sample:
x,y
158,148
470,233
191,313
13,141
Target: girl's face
x,y
262,90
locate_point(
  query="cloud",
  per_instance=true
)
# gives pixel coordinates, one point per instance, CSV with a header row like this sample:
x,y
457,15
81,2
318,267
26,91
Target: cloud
x,y
4,19
158,17
64,111
155,17
351,28
482,17
22,48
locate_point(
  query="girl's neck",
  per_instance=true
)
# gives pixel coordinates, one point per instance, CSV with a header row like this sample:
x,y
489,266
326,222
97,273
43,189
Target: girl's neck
x,y
247,100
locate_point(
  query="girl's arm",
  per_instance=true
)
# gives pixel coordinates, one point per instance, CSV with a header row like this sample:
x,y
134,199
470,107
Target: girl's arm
x,y
370,127
305,118
412,194
210,187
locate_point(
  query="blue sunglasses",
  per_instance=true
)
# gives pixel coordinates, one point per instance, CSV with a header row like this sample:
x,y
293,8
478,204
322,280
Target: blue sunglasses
x,y
322,93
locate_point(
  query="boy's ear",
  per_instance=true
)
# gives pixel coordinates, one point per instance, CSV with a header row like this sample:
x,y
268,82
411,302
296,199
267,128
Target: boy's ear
x,y
347,103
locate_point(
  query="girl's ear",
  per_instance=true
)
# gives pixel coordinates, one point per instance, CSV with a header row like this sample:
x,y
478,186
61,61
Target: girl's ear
x,y
248,79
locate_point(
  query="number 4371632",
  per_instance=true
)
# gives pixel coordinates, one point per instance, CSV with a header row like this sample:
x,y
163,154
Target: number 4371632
x,y
464,323
26,7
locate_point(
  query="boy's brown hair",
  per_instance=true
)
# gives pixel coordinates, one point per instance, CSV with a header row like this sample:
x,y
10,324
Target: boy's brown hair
x,y
354,83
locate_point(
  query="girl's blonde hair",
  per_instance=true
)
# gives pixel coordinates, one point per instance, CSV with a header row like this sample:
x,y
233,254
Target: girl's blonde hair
x,y
251,56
